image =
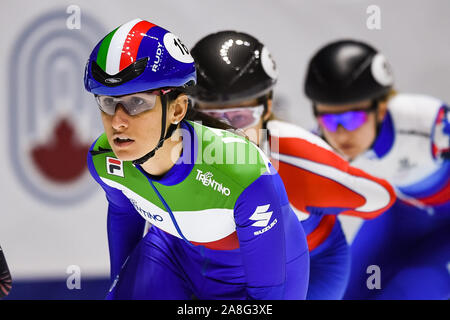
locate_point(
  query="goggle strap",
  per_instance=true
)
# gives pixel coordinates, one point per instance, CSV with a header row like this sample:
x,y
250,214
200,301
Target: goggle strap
x,y
373,107
149,155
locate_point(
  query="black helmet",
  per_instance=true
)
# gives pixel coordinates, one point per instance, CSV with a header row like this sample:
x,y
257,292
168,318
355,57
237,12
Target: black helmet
x,y
347,71
231,67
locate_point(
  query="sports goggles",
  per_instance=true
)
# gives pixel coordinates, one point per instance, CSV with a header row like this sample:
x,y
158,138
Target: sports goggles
x,y
240,118
134,104
350,120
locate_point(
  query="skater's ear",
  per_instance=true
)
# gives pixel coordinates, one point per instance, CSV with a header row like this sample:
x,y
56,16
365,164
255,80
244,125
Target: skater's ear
x,y
383,105
268,112
178,108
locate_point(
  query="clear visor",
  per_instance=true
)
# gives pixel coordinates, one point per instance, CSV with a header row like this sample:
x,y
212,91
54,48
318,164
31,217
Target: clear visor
x,y
133,104
240,118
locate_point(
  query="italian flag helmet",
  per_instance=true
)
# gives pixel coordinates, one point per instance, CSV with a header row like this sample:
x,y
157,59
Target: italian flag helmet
x,y
138,56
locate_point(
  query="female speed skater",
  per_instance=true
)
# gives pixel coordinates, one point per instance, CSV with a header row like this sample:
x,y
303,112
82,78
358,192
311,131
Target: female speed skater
x,y
221,224
403,138
236,77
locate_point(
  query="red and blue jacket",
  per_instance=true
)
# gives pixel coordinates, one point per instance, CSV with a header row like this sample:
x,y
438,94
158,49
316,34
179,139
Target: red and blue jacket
x,y
320,184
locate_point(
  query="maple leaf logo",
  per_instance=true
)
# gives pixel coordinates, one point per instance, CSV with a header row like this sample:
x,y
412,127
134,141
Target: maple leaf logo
x,y
63,158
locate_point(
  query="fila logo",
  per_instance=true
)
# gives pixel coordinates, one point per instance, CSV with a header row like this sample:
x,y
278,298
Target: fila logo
x,y
114,166
261,216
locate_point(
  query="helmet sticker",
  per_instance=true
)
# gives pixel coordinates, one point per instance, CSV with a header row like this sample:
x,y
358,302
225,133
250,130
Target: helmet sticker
x,y
176,48
268,63
381,70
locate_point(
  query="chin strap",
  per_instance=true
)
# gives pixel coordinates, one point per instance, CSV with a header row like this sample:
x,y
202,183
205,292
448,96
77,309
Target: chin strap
x,y
162,137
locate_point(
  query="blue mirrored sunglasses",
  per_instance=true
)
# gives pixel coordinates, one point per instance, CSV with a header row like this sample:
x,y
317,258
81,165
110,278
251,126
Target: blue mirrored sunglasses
x,y
350,120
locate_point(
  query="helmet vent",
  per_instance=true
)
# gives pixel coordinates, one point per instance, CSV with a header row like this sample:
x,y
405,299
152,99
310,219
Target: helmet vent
x,y
129,73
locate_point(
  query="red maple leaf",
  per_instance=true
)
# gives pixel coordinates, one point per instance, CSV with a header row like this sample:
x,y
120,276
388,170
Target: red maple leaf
x,y
63,158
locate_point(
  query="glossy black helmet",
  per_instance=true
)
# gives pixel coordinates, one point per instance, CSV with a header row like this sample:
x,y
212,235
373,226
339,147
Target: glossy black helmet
x,y
347,71
231,67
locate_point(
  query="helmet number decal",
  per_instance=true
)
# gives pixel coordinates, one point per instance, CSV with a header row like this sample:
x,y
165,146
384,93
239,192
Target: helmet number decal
x,y
177,42
177,49
268,63
381,70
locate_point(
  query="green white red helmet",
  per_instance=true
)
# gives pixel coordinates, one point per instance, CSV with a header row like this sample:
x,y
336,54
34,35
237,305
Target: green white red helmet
x,y
138,56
